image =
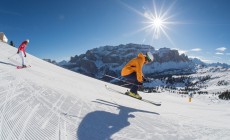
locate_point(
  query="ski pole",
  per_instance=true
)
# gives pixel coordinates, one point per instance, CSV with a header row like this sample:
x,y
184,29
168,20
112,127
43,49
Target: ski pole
x,y
11,56
121,80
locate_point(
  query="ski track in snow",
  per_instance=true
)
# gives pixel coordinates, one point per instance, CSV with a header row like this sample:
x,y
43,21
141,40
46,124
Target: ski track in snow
x,y
27,110
32,111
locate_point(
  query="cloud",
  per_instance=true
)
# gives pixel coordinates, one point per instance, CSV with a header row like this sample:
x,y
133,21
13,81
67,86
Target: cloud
x,y
202,59
180,51
196,49
195,57
219,53
222,49
206,60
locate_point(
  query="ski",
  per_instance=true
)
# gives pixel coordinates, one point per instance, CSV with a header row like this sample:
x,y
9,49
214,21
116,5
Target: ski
x,y
144,100
20,67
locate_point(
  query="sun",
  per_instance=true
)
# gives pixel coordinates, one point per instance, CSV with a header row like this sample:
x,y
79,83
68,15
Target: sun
x,y
158,23
157,20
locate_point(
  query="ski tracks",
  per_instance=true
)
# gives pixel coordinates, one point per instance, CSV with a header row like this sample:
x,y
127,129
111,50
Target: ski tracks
x,y
31,111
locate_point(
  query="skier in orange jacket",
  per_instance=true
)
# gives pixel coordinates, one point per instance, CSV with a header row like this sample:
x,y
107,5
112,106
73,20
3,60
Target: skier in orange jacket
x,y
132,72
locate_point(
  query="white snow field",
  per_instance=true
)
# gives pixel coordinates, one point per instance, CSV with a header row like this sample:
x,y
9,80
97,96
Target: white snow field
x,y
47,102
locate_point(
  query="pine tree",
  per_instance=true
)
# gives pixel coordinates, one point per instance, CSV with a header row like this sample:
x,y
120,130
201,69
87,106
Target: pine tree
x,y
225,95
12,43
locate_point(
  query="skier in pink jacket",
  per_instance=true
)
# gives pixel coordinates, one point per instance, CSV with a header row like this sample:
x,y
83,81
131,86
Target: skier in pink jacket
x,y
22,52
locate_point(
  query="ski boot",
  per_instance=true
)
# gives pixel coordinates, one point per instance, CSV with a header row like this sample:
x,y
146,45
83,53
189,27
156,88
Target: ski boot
x,y
134,95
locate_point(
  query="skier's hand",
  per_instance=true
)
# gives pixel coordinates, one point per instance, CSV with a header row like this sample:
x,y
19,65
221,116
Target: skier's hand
x,y
140,85
25,55
17,52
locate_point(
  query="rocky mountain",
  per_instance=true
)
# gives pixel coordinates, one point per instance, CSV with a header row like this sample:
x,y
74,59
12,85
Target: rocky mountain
x,y
169,70
110,59
51,61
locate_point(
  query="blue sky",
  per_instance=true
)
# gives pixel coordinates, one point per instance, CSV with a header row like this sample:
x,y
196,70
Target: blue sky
x,y
59,29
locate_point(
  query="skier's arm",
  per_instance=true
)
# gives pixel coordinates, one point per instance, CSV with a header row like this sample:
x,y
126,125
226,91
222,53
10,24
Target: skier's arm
x,y
19,48
139,73
24,52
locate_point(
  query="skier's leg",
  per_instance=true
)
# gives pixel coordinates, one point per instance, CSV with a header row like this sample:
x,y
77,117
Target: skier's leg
x,y
132,78
134,88
22,57
24,60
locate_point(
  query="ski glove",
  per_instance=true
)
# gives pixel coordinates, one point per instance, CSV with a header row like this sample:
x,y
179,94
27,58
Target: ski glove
x,y
25,55
18,52
140,85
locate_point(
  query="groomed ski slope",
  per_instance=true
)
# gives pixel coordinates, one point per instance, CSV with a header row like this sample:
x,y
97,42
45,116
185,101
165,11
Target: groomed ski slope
x,y
46,102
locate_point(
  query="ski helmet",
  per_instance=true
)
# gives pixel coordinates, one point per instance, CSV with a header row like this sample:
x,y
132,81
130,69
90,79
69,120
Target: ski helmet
x,y
27,40
149,57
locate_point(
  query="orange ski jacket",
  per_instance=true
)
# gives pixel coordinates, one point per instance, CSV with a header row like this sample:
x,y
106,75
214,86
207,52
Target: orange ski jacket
x,y
134,65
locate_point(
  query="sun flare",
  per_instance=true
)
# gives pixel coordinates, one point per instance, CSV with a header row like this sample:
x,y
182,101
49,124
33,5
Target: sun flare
x,y
157,22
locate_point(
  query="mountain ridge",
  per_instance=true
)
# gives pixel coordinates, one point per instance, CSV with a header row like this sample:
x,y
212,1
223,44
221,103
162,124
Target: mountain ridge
x,y
168,64
113,58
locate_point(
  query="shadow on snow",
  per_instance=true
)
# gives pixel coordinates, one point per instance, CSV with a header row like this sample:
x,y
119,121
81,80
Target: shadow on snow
x,y
7,63
101,125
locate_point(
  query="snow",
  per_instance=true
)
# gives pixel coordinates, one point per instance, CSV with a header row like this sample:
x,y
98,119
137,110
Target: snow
x,y
47,102
217,74
162,51
160,67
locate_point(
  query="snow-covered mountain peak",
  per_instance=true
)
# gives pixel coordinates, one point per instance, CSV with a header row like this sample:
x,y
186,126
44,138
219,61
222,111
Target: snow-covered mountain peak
x,y
112,58
163,51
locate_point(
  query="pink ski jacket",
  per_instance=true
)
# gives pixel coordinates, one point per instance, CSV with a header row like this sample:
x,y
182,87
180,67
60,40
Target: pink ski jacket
x,y
22,47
